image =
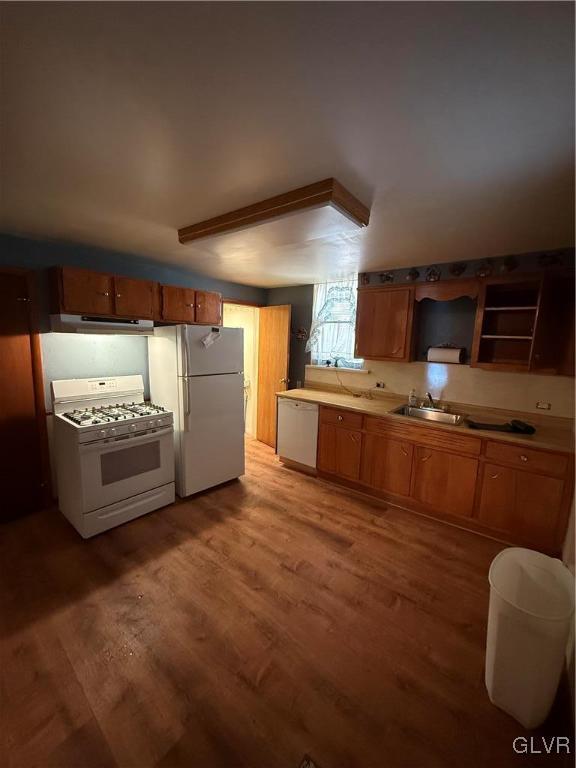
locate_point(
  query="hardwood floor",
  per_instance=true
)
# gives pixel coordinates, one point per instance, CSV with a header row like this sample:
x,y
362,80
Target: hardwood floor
x,y
272,617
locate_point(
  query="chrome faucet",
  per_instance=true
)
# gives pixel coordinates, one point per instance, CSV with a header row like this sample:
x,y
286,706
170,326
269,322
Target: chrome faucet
x,y
429,402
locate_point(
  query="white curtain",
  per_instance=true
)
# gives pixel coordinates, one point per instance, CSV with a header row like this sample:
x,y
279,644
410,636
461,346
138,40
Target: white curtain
x,y
333,323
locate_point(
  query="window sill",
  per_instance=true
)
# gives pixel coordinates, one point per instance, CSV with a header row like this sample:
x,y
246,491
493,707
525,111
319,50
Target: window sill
x,y
337,369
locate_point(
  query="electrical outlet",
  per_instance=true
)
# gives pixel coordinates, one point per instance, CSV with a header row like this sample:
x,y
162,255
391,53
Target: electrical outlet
x,y
543,406
380,384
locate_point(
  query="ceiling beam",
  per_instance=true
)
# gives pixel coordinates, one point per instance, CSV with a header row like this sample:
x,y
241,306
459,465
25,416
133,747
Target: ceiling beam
x,y
326,192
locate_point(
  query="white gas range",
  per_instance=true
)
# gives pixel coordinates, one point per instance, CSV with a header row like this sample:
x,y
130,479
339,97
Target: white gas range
x,y
114,453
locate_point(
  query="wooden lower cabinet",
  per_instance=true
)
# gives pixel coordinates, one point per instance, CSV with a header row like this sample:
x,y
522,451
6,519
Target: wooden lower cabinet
x,y
521,504
387,464
516,493
339,451
444,481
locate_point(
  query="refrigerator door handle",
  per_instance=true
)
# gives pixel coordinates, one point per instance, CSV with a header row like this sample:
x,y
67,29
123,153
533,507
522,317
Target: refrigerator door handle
x,y
186,395
185,372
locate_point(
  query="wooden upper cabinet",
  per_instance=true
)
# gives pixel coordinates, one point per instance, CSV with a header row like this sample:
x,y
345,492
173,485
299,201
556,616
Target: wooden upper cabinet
x,y
444,481
178,304
208,308
387,464
185,305
384,323
82,291
524,506
134,298
553,345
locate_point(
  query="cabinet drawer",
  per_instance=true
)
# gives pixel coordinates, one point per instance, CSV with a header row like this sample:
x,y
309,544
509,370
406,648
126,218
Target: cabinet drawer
x,y
526,458
341,418
434,437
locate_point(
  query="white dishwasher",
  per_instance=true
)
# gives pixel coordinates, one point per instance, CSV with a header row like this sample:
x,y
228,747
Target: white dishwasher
x,y
297,431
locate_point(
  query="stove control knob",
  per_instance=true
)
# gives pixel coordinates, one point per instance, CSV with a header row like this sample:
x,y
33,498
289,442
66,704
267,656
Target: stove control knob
x,y
159,422
101,433
112,431
132,427
151,424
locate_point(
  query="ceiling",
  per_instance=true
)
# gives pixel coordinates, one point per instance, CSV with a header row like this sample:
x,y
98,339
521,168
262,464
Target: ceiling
x,y
122,122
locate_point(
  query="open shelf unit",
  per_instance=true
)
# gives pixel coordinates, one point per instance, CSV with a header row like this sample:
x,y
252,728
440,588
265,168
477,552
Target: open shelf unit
x,y
507,323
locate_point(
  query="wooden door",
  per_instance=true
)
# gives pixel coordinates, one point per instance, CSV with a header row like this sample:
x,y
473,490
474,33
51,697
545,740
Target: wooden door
x,y
178,304
86,292
273,359
522,505
208,308
444,481
20,436
387,464
339,451
384,323
134,298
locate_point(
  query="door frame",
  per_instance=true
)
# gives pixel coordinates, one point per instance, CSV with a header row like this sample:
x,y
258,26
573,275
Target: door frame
x,y
258,432
255,306
37,377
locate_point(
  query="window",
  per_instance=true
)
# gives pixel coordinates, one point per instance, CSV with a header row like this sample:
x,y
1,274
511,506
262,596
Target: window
x,y
334,324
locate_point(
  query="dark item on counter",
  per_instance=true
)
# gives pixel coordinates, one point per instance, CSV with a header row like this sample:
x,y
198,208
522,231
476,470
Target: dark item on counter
x,y
517,426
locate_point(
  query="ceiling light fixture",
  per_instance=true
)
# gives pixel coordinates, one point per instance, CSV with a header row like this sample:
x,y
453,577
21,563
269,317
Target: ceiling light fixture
x,y
328,192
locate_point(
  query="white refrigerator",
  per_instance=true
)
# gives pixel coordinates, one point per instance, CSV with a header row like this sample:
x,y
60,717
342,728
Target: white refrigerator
x,y
197,372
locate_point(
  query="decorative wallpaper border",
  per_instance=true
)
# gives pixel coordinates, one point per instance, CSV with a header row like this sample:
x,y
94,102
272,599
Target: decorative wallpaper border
x,y
493,266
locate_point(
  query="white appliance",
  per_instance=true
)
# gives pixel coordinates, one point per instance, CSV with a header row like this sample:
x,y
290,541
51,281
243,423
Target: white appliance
x,y
297,435
196,371
94,324
114,453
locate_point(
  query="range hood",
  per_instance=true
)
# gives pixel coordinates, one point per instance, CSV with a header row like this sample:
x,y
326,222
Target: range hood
x,y
95,324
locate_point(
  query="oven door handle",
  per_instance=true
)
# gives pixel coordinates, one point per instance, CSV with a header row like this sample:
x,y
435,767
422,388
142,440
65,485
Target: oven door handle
x,y
104,447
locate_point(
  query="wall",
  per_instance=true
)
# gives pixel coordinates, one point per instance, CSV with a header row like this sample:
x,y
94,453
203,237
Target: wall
x,y
461,384
80,355
300,297
77,355
41,254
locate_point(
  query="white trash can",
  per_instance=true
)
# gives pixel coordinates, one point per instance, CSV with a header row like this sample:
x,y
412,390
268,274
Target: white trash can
x,y
529,620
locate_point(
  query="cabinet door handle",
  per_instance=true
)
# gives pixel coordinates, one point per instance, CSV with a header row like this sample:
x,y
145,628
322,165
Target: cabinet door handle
x,y
404,451
425,458
190,305
395,351
118,295
523,458
495,477
340,418
22,298
104,293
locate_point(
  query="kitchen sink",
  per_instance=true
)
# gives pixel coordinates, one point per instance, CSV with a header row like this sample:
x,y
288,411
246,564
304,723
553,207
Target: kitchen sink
x,y
430,414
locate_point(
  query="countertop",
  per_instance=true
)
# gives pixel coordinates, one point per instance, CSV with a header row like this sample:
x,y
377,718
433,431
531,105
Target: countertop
x,y
552,433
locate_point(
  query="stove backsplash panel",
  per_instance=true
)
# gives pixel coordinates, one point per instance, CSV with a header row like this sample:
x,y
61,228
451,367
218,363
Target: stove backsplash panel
x,y
82,356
